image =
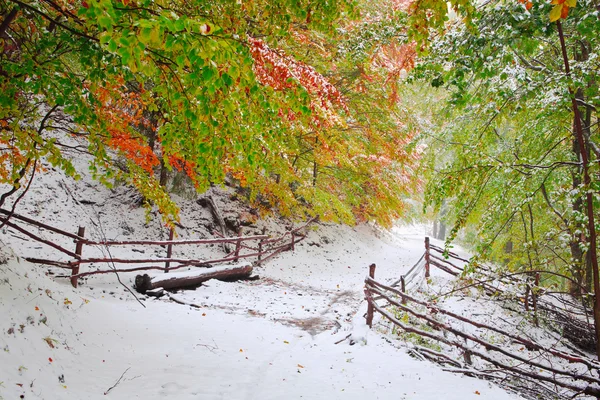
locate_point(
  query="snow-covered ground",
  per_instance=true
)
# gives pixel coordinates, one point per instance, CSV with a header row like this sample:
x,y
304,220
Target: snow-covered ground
x,y
273,338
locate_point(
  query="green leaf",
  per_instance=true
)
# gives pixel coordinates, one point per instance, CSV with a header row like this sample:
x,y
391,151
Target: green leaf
x,y
112,45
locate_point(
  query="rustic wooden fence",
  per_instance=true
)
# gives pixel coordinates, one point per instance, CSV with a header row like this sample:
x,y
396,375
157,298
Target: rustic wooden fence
x,y
533,363
260,247
562,313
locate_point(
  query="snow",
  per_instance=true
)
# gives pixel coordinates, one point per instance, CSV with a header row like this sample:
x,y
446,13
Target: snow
x,y
173,351
273,338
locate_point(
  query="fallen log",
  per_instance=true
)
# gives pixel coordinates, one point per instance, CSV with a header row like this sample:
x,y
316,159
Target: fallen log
x,y
185,279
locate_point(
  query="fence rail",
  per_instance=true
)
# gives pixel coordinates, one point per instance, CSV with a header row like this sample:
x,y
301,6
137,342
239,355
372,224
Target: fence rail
x,y
538,363
264,249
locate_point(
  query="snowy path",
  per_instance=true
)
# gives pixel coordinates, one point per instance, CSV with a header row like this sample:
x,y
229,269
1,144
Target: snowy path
x,y
246,342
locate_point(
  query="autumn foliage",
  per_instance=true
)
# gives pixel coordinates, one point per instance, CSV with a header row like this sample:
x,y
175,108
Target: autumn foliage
x,y
254,93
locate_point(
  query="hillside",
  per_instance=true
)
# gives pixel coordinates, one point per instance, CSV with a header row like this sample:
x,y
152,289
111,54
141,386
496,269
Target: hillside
x,y
271,338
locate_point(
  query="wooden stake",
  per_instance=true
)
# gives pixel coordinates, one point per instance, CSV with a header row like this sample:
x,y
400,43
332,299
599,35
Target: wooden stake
x,y
403,288
427,257
369,298
169,249
78,250
238,244
534,296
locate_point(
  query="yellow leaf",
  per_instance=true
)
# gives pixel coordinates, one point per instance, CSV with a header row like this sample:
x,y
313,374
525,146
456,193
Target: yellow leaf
x,y
571,3
286,342
555,13
300,366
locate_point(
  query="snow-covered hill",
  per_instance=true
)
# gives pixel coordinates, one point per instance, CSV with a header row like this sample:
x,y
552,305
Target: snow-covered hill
x,y
273,338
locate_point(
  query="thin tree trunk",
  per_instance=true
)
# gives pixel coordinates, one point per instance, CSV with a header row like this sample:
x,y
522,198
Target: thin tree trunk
x,y
589,196
8,18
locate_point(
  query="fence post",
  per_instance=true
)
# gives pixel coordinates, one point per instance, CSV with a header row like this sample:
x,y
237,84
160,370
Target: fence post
x,y
169,249
260,248
534,295
293,240
403,288
369,299
238,244
467,357
78,249
426,256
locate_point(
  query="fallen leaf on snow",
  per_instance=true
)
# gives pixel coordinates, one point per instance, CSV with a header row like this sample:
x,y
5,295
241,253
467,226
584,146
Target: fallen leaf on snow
x,y
300,366
49,340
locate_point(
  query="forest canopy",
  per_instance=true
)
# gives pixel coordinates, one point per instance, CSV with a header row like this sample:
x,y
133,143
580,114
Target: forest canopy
x,y
297,102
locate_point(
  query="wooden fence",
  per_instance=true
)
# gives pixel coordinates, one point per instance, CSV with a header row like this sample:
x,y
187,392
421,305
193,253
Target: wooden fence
x,y
260,247
534,363
573,320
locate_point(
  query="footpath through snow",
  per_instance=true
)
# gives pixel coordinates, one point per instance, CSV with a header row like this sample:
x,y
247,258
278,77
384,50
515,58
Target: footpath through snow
x,y
273,338
267,339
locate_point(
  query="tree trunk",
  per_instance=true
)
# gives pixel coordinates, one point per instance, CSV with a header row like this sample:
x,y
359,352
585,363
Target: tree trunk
x,y
441,231
589,203
210,202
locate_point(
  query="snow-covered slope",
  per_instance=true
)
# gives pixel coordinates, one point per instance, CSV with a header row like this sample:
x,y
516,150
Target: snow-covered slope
x,y
273,338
